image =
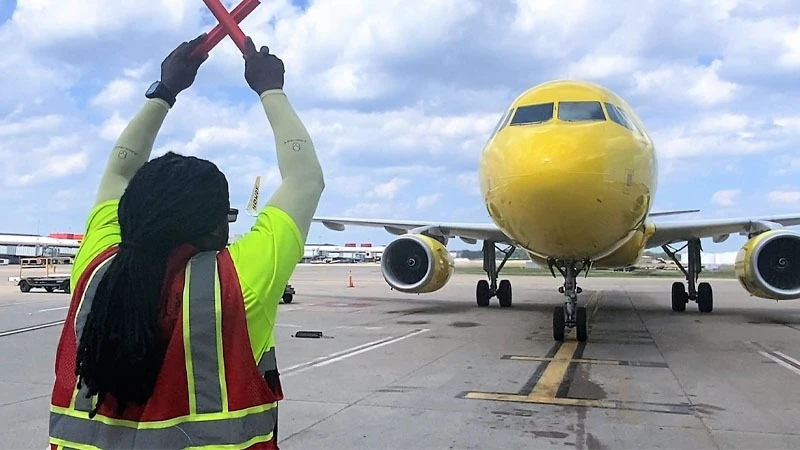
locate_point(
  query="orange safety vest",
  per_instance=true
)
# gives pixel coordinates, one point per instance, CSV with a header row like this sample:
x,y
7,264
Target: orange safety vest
x,y
209,393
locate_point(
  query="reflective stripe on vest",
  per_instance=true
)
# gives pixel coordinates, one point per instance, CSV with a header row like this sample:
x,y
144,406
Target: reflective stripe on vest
x,y
268,362
80,400
209,423
202,337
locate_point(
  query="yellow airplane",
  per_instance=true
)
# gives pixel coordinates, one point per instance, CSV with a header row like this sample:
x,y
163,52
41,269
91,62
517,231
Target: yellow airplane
x,y
569,174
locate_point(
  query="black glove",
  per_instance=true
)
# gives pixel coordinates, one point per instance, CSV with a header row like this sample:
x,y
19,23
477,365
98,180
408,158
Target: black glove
x,y
179,68
262,70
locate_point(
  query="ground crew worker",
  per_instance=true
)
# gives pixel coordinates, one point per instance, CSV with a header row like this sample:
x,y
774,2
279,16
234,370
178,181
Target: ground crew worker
x,y
168,341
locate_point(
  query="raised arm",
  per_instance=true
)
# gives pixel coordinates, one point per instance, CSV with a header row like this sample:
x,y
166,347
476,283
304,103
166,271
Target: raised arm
x,y
133,148
266,256
302,180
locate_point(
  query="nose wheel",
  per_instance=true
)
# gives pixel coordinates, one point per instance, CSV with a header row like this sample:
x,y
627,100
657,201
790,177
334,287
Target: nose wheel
x,y
560,323
485,290
570,315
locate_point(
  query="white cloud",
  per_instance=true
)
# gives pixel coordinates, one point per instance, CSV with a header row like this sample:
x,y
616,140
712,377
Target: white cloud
x,y
791,43
47,22
112,128
785,197
727,197
726,133
388,190
788,165
788,122
426,201
468,181
378,210
36,124
117,93
48,166
682,142
700,85
723,123
595,66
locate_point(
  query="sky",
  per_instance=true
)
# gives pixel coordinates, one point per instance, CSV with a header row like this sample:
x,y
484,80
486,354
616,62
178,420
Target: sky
x,y
399,98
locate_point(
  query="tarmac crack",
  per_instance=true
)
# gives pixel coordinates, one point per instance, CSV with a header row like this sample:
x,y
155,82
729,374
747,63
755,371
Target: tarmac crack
x,y
16,402
769,433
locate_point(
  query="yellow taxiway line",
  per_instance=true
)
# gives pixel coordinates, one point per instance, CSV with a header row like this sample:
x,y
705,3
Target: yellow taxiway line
x,y
546,387
602,362
556,371
545,391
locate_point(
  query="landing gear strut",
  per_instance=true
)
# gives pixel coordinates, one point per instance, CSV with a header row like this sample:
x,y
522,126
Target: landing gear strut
x,y
700,293
570,315
488,289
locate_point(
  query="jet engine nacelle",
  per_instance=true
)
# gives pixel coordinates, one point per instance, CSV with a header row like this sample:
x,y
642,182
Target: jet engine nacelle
x,y
768,265
415,263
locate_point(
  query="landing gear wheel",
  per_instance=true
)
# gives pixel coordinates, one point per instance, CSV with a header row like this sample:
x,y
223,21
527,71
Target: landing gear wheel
x,y
558,323
483,293
580,324
705,298
287,298
504,293
679,297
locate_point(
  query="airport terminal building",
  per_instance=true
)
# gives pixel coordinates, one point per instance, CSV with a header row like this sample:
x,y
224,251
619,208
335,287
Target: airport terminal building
x,y
14,247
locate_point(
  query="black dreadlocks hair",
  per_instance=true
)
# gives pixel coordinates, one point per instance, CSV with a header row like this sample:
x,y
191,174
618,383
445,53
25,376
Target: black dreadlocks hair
x,y
171,200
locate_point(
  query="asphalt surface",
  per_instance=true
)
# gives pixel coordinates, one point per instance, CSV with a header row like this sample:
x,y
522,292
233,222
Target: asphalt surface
x,y
435,371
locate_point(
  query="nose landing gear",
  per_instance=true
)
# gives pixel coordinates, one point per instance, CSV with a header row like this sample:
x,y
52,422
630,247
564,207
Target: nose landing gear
x,y
570,315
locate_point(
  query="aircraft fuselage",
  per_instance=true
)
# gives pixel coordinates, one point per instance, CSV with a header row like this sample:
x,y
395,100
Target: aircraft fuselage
x,y
570,174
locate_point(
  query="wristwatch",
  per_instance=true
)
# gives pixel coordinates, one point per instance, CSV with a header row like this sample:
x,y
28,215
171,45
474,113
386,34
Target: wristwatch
x,y
159,90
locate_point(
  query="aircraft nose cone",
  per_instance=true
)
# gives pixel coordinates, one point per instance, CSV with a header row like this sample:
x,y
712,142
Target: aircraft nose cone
x,y
564,196
553,215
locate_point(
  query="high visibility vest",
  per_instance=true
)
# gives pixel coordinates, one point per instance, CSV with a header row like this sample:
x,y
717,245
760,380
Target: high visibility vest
x,y
209,393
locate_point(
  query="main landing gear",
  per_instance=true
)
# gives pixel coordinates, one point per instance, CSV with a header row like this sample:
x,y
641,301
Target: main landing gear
x,y
488,289
701,293
570,315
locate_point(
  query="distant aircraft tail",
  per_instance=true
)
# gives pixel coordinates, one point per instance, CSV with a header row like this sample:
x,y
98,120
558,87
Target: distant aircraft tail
x,y
252,205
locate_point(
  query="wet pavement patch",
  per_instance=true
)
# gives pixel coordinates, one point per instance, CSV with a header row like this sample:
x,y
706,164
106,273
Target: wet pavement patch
x,y
434,309
550,434
464,324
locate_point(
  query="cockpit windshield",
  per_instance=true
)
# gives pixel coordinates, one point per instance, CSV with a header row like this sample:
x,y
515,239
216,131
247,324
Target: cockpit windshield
x,y
533,114
618,115
580,111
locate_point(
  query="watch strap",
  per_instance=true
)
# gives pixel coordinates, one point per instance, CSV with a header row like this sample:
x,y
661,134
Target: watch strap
x,y
159,90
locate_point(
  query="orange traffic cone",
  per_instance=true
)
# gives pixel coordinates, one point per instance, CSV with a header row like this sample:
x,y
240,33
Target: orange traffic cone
x,y
350,281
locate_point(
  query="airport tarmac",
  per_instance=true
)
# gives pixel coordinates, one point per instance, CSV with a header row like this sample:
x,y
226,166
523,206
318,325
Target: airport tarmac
x,y
403,371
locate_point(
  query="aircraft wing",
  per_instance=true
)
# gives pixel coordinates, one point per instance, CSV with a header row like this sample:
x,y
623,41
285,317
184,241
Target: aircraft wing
x,y
467,232
673,213
668,232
